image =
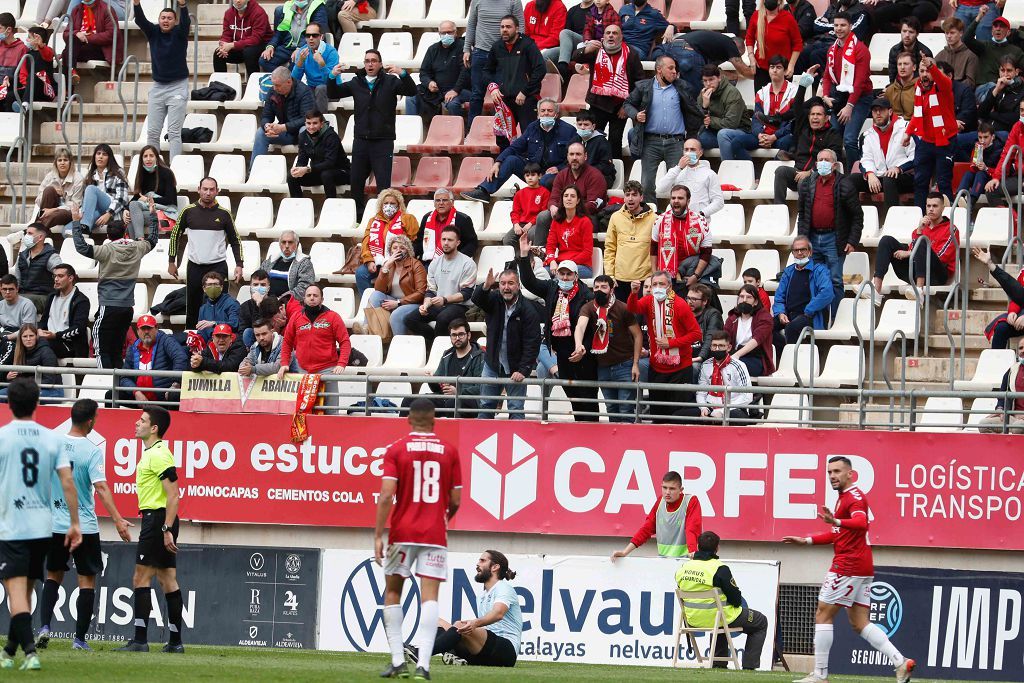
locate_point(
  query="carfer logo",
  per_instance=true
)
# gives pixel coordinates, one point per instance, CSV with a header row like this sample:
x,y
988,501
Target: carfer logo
x,y
886,607
503,494
362,600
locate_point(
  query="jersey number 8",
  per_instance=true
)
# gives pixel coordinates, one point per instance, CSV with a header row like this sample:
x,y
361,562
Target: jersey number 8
x,y
427,487
30,467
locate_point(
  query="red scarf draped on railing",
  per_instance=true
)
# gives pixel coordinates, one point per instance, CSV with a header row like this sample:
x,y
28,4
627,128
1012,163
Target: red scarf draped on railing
x,y
305,400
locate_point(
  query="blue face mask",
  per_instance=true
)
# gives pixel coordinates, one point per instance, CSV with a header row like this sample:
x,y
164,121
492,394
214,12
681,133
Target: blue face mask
x,y
565,285
260,289
824,168
584,133
547,122
691,158
300,4
447,40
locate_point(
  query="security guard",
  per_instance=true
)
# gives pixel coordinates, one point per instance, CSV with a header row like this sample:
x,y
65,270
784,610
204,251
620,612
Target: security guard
x,y
704,572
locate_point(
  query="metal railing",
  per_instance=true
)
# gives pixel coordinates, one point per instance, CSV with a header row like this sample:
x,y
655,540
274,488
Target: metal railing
x,y
901,335
26,108
871,333
17,209
72,99
895,409
129,61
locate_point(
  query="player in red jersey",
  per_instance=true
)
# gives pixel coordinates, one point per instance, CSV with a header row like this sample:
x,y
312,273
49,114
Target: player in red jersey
x,y
848,582
422,475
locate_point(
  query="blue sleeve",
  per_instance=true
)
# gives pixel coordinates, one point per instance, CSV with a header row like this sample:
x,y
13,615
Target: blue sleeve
x,y
319,17
232,310
130,363
517,148
330,61
97,471
184,21
279,36
756,126
780,294
823,284
268,114
179,359
298,72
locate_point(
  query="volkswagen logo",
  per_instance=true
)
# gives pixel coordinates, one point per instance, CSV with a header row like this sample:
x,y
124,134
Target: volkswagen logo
x,y
362,600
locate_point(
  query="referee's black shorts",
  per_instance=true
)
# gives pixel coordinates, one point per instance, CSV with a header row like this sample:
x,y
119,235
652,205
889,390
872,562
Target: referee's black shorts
x,y
497,651
24,558
88,556
151,550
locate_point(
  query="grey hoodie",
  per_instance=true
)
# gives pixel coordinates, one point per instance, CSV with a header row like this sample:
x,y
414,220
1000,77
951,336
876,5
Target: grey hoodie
x,y
118,263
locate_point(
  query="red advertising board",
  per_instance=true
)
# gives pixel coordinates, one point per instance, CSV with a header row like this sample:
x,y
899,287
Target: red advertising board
x,y
942,490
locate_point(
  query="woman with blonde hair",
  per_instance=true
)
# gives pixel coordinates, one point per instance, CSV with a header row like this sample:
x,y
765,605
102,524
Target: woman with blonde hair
x,y
772,31
401,285
390,221
60,188
28,351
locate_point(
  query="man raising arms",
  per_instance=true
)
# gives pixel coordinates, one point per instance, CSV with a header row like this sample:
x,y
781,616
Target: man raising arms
x,y
848,582
422,475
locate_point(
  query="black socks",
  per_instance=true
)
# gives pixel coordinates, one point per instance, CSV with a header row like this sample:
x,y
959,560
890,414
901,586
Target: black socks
x,y
86,605
143,606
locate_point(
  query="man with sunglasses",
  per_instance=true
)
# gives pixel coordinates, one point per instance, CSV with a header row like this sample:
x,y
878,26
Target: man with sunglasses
x,y
315,61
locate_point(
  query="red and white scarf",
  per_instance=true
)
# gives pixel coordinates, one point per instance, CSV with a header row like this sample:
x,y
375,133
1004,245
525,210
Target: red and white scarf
x,y
305,400
432,234
662,314
775,103
610,79
941,120
672,247
504,121
88,19
718,377
847,69
380,228
602,329
560,326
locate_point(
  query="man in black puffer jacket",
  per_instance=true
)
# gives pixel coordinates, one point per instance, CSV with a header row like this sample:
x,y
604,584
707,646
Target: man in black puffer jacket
x,y
375,92
321,159
284,112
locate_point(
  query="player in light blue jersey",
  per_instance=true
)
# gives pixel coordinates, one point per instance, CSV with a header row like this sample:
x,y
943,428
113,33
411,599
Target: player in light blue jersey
x,y
88,473
29,456
492,639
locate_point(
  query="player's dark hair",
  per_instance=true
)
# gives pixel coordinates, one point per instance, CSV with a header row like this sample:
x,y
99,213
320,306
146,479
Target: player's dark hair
x,y
69,270
705,292
911,22
843,15
83,410
159,418
752,272
672,477
421,409
259,274
841,458
719,335
680,186
22,396
8,279
935,195
499,559
453,229
708,542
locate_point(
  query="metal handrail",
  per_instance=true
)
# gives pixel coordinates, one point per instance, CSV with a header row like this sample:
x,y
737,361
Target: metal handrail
x,y
129,60
27,113
113,52
1013,237
19,143
903,369
874,323
75,97
806,331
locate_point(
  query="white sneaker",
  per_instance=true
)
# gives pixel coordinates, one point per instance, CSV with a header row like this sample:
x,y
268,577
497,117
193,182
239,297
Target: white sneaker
x,y
904,670
811,678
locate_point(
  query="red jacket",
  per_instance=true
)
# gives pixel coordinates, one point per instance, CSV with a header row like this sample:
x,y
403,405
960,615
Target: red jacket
x,y
105,27
571,240
318,346
761,328
528,202
945,242
694,523
1014,307
685,326
861,74
936,124
544,28
252,28
1016,138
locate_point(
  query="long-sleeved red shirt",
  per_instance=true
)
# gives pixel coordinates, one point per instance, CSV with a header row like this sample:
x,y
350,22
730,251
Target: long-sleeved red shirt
x,y
781,37
315,343
544,28
527,202
1016,139
694,523
936,123
684,325
945,242
861,72
571,240
252,27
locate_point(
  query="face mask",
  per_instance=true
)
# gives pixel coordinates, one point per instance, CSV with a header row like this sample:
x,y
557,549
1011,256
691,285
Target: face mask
x,y
691,158
447,40
149,168
659,293
28,241
289,257
547,122
801,261
1022,119
999,42
371,79
260,290
88,3
824,168
745,308
771,5
565,285
390,210
1020,359
213,292
601,298
584,133
720,355
301,4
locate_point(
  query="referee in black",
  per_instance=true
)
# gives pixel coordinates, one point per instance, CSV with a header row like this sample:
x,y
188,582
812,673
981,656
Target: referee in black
x,y
156,481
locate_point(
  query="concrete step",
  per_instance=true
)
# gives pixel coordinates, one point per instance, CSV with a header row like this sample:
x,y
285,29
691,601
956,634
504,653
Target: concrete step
x,y
989,294
105,92
974,342
976,320
92,133
933,369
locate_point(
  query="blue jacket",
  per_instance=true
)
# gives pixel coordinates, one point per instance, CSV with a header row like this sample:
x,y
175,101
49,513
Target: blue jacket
x,y
547,149
167,355
821,292
640,28
316,74
223,310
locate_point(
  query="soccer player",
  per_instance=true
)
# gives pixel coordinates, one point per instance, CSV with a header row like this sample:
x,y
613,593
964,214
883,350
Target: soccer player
x,y
29,455
422,475
848,582
156,482
492,639
88,474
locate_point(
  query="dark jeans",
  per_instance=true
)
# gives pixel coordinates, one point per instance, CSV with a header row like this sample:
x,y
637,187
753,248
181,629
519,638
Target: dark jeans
x,y
479,78
329,179
929,161
442,316
785,179
732,14
755,628
513,165
616,126
367,155
282,56
797,323
888,245
428,110
194,288
109,331
444,405
250,56
755,364
892,188
83,52
672,397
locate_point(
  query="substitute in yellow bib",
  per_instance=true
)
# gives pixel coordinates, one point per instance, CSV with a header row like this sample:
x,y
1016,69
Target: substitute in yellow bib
x,y
156,481
704,572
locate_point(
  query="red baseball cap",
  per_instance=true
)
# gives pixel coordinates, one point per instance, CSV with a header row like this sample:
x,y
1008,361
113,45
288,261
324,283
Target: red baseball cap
x,y
223,328
146,321
1001,20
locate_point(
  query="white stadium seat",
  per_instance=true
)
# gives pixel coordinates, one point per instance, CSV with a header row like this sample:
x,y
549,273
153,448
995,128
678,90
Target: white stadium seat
x,y
807,364
988,375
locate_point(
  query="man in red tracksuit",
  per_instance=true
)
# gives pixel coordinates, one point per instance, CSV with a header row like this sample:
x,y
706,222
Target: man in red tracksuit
x,y
245,33
672,330
944,241
675,521
318,337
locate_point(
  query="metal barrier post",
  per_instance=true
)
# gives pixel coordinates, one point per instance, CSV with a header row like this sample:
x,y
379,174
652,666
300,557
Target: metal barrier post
x,y
27,111
1013,231
903,370
19,143
129,60
75,97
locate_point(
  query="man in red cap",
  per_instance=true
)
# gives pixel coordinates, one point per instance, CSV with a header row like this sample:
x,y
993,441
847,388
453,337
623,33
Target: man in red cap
x,y
989,51
223,354
153,350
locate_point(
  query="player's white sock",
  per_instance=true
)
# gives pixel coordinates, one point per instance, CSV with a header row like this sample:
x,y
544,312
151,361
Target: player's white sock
x,y
393,628
877,639
822,646
426,633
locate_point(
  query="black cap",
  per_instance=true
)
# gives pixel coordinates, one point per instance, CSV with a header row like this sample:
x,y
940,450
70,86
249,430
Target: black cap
x,y
881,102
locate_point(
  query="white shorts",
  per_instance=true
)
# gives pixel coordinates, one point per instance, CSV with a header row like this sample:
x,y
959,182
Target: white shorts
x,y
846,590
431,561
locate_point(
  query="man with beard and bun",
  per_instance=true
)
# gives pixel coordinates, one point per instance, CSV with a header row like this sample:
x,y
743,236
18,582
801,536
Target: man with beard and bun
x,y
848,582
88,473
615,68
681,243
493,638
616,343
422,480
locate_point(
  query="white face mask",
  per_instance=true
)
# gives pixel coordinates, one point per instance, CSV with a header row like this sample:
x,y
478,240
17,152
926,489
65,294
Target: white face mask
x,y
371,79
801,261
659,293
389,210
28,241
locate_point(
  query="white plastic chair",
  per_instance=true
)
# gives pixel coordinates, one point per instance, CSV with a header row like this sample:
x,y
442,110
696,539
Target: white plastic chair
x,y
941,414
807,360
988,374
844,367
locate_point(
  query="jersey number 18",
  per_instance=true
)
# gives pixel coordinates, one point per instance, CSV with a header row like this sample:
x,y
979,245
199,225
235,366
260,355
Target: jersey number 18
x,y
427,485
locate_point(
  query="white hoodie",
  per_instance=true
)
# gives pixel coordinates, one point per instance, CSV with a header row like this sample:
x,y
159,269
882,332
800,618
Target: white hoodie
x,y
705,189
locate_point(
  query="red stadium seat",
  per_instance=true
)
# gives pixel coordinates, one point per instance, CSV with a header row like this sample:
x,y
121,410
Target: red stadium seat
x,y
480,138
472,172
576,94
401,174
444,134
682,12
551,86
431,173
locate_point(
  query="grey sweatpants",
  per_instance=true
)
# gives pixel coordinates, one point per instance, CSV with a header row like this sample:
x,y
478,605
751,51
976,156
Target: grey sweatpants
x,y
170,101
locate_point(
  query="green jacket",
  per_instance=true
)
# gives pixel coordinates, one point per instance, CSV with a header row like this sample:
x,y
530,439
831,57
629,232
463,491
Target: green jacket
x,y
727,110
